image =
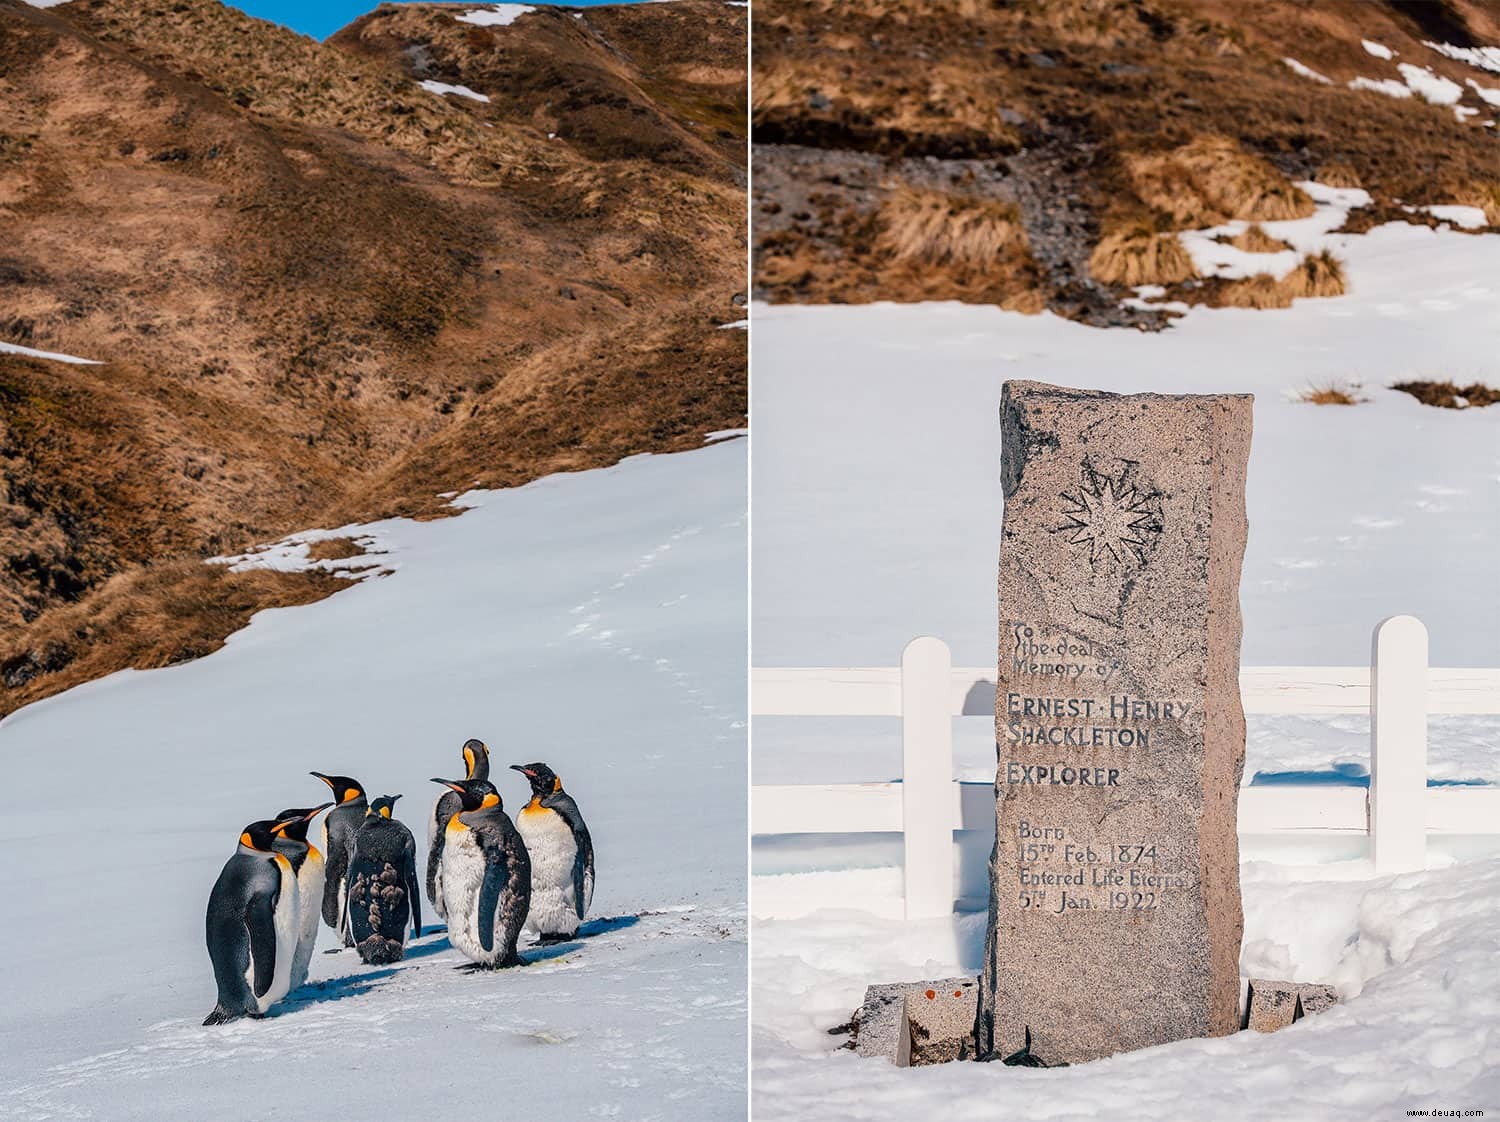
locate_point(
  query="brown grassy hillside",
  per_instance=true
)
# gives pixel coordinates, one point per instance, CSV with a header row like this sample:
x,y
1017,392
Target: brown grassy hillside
x,y
1103,123
320,292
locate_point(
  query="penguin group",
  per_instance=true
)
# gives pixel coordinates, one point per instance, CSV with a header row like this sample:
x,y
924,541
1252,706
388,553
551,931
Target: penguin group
x,y
490,877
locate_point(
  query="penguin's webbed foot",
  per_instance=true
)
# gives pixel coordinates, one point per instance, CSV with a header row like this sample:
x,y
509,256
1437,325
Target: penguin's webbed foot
x,y
544,940
221,1016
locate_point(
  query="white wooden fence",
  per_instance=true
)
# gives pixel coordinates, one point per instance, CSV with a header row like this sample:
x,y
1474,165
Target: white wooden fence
x,y
1398,810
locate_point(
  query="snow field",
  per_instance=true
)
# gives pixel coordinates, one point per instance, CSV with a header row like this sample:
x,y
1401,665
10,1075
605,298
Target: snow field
x,y
124,797
877,518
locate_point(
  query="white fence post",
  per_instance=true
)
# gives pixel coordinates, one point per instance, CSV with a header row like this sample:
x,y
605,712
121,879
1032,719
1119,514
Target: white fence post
x,y
1398,745
927,795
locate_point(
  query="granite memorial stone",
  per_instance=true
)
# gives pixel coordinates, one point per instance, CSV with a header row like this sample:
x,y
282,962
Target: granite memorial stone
x,y
1115,917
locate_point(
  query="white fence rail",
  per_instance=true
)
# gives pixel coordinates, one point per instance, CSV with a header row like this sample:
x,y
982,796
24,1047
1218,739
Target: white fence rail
x,y
1398,810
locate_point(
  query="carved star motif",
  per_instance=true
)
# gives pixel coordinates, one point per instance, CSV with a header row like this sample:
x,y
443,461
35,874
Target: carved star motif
x,y
1111,516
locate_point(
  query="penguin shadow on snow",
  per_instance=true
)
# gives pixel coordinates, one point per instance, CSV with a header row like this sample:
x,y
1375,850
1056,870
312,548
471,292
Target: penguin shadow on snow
x,y
429,946
533,955
604,925
333,989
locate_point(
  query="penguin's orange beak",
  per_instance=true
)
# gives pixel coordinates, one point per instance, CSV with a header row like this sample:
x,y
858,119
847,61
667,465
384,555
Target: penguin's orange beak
x,y
452,786
315,811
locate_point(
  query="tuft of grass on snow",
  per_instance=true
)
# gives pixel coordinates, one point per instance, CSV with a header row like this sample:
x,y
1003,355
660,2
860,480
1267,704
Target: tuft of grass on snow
x,y
1139,254
1447,395
943,229
1212,180
1320,274
1256,240
334,549
1485,196
1332,393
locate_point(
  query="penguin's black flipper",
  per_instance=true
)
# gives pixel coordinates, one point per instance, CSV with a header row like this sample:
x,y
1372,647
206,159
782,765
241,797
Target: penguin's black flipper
x,y
583,857
260,921
335,868
413,891
434,863
495,877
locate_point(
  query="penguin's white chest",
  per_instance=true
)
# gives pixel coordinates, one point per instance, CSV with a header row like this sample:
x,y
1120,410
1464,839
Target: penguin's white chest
x,y
288,927
553,849
463,877
310,907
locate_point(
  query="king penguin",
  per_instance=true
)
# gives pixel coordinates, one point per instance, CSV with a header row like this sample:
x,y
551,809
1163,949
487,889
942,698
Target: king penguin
x,y
383,887
252,927
476,766
307,868
486,876
338,833
562,856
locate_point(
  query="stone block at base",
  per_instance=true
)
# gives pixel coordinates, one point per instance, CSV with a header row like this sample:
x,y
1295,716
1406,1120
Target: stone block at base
x,y
881,1020
939,1025
1273,1005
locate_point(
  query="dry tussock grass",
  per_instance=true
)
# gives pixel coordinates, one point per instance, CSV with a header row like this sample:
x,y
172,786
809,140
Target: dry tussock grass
x,y
1485,196
144,618
1318,275
1331,393
944,229
1338,174
1448,395
1256,240
904,11
1211,180
334,549
1139,254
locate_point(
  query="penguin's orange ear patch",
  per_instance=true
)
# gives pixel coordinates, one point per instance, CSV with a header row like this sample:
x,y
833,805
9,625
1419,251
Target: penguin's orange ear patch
x,y
469,761
247,840
556,784
385,812
351,793
489,800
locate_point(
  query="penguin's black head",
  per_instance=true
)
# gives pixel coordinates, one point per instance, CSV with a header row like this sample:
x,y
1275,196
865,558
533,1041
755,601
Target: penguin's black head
x,y
476,760
259,836
543,779
344,789
294,823
477,794
383,806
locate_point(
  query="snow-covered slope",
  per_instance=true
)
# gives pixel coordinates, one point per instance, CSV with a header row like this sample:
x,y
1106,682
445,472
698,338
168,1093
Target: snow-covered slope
x,y
595,621
878,500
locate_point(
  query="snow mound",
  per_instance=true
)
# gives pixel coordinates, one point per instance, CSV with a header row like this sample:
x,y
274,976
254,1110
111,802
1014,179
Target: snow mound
x,y
1481,58
1485,94
1307,71
1466,217
496,15
1379,50
1388,86
1431,87
443,88
1215,258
